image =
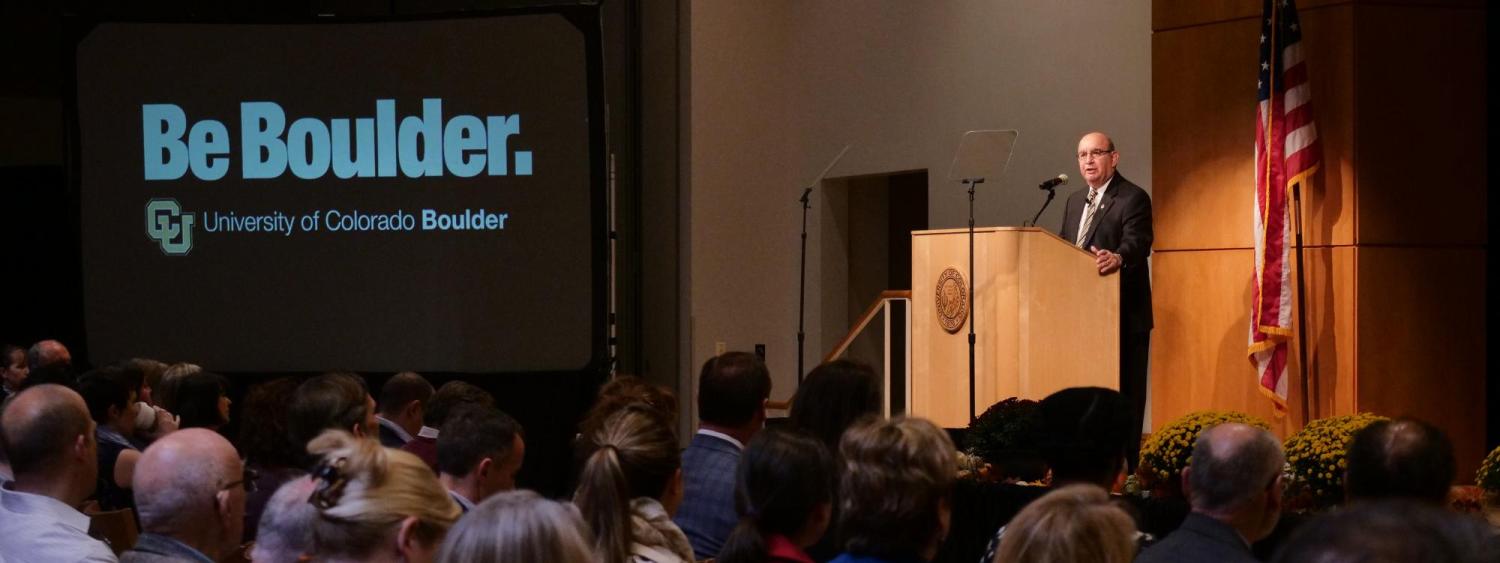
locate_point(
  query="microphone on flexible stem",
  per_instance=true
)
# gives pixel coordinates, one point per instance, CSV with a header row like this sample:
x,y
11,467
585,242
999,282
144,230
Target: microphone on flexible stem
x,y
1050,187
1054,182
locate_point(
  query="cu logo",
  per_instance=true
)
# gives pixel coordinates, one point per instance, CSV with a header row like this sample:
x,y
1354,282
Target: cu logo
x,y
169,226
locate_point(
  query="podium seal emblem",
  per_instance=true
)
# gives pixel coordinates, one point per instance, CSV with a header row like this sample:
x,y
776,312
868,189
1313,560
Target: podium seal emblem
x,y
952,300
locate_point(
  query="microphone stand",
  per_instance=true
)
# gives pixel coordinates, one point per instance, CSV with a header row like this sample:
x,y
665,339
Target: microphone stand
x,y
1051,193
971,182
802,282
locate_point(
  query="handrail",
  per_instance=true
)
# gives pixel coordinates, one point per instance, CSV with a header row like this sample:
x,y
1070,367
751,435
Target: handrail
x,y
864,320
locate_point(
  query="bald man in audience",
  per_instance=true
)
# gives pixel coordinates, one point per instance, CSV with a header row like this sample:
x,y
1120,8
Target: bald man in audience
x,y
49,361
1234,486
49,438
49,354
190,497
285,528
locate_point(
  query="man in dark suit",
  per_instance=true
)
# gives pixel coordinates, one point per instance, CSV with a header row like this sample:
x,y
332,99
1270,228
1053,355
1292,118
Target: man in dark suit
x,y
1112,220
732,393
402,399
1235,484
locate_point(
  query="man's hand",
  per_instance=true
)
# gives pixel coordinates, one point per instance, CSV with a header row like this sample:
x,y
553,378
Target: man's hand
x,y
1107,262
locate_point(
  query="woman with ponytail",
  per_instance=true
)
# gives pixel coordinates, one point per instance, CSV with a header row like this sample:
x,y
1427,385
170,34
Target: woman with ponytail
x,y
784,496
375,504
630,485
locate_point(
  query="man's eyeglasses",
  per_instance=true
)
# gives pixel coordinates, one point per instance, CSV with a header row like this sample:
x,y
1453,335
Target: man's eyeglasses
x,y
247,479
1094,154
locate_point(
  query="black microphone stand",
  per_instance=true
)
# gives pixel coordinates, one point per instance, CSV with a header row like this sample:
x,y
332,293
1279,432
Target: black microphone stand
x,y
802,282
1051,193
973,278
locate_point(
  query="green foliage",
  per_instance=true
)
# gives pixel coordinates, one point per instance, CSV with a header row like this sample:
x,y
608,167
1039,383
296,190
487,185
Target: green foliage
x,y
1007,426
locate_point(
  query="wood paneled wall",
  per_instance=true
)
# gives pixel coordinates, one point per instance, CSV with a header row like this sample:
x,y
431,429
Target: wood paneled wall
x,y
1394,222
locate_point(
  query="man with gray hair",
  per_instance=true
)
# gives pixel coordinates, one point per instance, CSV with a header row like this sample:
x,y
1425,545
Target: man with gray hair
x,y
285,529
1234,485
190,497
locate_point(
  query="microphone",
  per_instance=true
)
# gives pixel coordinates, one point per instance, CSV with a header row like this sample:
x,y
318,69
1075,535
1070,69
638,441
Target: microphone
x,y
1049,184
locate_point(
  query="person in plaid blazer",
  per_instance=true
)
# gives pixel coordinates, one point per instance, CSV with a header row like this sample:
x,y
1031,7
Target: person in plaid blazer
x,y
732,393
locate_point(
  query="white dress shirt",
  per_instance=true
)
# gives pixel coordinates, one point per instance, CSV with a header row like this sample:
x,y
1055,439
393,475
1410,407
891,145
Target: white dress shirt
x,y
1098,198
41,529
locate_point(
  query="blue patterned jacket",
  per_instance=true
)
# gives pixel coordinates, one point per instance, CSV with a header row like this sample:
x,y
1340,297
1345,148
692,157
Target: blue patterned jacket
x,y
707,512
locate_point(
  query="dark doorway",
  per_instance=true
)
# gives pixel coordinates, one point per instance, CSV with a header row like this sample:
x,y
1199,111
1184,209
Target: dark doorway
x,y
865,234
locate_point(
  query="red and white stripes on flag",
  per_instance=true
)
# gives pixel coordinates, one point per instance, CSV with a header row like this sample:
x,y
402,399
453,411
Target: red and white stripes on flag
x,y
1286,153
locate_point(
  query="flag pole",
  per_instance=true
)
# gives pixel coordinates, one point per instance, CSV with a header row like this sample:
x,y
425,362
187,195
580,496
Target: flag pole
x,y
1302,359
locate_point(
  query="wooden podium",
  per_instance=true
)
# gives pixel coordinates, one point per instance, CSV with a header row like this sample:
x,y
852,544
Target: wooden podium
x,y
1046,320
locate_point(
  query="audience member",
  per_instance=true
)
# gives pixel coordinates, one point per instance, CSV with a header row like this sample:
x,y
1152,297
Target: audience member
x,y
151,373
479,452
50,441
1391,531
332,401
284,531
784,496
732,393
518,526
5,473
894,489
114,410
14,373
164,392
447,399
203,401
190,497
402,399
1073,523
630,484
1083,435
151,423
1403,458
49,354
264,444
833,397
1234,484
375,503
625,390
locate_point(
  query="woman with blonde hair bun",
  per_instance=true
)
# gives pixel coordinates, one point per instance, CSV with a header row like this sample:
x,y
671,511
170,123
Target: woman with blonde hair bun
x,y
1073,523
519,526
375,504
630,485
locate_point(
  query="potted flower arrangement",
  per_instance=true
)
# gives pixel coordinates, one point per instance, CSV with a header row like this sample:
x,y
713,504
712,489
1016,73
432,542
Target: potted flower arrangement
x,y
1487,479
1001,444
1316,457
1168,449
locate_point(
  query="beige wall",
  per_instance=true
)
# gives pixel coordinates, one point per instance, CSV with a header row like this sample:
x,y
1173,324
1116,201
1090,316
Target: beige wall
x,y
778,87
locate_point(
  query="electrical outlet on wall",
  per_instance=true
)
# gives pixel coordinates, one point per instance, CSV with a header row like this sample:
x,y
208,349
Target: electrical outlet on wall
x,y
719,348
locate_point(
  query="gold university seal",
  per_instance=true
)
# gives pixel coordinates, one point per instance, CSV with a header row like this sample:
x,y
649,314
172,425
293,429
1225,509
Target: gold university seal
x,y
952,300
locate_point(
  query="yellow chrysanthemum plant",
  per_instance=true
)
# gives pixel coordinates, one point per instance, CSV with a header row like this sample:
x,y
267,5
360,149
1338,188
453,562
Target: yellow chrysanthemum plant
x,y
1316,457
1168,449
1488,476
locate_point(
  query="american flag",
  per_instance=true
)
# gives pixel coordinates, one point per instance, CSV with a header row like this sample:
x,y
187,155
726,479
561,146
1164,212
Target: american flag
x,y
1286,153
